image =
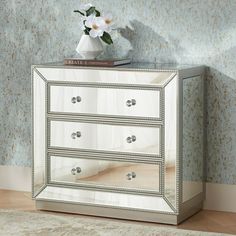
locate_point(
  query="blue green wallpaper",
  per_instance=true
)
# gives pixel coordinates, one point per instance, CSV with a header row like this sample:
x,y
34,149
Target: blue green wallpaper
x,y
182,31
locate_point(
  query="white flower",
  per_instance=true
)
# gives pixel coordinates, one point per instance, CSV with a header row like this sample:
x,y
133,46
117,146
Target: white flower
x,y
81,24
95,23
107,22
85,7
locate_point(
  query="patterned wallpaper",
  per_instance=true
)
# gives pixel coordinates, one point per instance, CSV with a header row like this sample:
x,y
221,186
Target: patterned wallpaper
x,y
183,31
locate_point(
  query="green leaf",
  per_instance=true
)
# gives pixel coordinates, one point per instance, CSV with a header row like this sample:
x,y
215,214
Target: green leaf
x,y
90,11
86,31
97,13
106,38
79,12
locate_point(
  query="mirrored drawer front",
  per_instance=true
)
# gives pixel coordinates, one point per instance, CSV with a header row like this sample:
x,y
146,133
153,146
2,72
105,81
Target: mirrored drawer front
x,y
99,173
105,101
105,137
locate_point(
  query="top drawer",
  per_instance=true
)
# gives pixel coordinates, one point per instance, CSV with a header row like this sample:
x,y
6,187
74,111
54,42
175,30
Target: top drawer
x,y
105,101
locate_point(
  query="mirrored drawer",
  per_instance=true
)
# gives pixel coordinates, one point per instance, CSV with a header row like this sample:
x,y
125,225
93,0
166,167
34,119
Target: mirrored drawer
x,y
105,101
104,173
105,137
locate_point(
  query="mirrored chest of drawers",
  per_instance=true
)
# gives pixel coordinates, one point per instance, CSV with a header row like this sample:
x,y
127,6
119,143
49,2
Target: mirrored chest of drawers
x,y
124,142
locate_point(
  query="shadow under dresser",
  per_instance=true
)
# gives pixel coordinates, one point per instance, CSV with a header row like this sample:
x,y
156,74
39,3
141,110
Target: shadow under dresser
x,y
124,142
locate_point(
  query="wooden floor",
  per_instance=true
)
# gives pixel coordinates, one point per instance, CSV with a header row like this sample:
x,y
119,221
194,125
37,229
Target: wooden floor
x,y
211,221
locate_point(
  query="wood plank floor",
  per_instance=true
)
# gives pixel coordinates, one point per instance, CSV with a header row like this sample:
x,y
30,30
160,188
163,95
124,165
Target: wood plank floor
x,y
211,221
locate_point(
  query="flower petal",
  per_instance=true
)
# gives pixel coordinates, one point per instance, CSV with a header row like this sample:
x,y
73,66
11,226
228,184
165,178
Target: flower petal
x,y
81,25
100,21
108,29
93,33
100,33
85,7
90,20
108,15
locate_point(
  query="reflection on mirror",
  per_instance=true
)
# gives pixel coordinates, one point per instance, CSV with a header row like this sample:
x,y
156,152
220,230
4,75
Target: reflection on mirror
x,y
192,137
39,135
114,199
170,141
116,174
85,100
81,135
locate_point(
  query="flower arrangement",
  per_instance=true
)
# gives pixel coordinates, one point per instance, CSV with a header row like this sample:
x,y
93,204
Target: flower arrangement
x,y
95,24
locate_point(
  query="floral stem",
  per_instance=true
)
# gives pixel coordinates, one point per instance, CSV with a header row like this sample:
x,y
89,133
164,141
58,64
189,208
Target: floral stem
x,y
79,12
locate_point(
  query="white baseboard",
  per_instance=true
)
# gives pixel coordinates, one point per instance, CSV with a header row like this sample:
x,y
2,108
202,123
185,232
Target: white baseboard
x,y
15,178
219,197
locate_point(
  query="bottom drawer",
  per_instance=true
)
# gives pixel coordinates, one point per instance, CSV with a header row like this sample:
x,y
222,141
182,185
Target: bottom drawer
x,y
105,173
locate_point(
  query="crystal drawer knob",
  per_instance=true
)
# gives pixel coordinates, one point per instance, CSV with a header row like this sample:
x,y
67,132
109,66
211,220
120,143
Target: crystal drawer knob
x,y
75,171
76,135
76,99
130,102
131,139
131,175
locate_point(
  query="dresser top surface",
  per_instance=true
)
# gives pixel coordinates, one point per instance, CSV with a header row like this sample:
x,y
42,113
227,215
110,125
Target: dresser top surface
x,y
132,66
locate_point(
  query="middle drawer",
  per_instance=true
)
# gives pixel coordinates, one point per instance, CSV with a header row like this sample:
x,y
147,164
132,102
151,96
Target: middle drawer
x,y
83,135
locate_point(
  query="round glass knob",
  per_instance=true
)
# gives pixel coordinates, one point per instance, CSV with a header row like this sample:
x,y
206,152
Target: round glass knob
x,y
130,102
76,99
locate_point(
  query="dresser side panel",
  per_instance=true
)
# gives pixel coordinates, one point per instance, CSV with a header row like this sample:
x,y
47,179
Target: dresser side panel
x,y
39,133
171,143
193,137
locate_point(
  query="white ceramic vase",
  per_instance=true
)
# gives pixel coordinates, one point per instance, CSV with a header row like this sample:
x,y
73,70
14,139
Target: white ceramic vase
x,y
89,48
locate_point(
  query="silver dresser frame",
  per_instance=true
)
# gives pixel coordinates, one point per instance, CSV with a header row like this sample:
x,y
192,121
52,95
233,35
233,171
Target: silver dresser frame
x,y
182,211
